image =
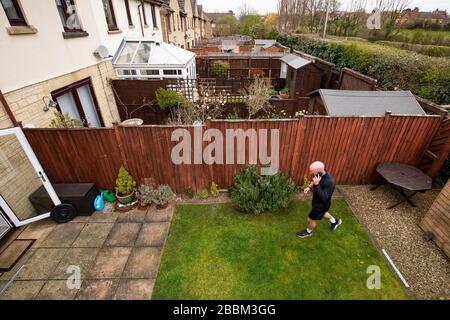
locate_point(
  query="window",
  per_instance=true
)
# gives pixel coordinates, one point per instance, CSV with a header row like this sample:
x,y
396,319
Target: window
x,y
13,12
79,101
150,72
109,13
169,28
126,72
171,72
127,8
155,24
68,15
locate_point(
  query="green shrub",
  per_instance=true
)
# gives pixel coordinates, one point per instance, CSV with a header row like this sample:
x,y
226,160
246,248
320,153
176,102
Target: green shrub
x,y
125,183
219,69
168,98
253,193
203,194
64,121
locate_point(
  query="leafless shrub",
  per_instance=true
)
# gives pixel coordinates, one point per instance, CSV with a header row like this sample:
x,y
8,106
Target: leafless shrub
x,y
258,97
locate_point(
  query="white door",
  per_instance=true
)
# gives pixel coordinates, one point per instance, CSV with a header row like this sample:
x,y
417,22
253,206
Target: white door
x,y
20,176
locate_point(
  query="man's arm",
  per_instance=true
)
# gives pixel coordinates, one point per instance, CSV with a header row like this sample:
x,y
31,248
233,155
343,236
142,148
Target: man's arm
x,y
324,192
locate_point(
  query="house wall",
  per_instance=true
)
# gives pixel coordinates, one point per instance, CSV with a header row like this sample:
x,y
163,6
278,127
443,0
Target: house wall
x,y
27,105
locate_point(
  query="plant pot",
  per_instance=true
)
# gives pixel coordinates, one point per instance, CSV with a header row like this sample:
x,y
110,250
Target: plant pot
x,y
284,96
126,199
162,206
143,207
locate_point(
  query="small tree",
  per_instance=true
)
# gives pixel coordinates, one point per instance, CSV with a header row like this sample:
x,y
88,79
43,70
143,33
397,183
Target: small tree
x,y
258,97
219,69
168,98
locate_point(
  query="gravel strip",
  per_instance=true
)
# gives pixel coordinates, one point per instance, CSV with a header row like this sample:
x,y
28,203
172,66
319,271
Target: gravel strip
x,y
423,264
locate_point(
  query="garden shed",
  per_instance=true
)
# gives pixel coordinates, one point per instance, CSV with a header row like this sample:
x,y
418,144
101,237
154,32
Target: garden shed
x,y
302,75
150,59
342,103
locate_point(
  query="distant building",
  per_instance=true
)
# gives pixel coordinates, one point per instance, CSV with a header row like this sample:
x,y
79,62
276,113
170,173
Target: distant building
x,y
437,16
217,28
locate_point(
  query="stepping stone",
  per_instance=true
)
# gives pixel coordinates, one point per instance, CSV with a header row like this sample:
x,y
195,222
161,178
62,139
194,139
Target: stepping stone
x,y
56,290
110,263
153,234
13,253
123,235
143,263
97,290
135,289
93,235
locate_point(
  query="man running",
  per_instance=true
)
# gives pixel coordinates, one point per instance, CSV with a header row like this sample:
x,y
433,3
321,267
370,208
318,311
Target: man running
x,y
323,186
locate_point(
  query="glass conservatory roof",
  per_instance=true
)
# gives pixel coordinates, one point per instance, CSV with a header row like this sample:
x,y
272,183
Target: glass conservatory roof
x,y
150,53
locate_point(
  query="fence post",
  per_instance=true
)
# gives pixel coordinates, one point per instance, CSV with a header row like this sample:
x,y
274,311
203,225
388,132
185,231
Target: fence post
x,y
119,144
299,139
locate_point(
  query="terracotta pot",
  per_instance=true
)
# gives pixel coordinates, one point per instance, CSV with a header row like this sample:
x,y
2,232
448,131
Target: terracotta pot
x,y
162,207
284,96
143,206
126,199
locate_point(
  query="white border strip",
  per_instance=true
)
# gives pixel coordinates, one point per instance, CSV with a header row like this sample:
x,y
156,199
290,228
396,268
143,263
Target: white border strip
x,y
395,268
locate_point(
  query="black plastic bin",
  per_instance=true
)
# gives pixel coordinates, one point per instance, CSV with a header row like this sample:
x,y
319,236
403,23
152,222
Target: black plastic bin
x,y
79,195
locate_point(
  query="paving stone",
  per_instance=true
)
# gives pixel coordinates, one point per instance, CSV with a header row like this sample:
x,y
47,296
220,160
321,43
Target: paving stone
x,y
42,264
123,235
155,215
62,236
83,258
110,263
22,290
97,290
80,219
104,217
135,289
143,263
132,216
93,235
38,231
153,234
56,290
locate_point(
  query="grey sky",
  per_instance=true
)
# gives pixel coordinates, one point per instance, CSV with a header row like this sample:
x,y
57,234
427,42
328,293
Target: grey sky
x,y
264,6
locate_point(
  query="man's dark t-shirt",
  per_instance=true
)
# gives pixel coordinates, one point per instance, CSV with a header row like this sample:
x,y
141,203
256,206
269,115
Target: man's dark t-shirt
x,y
322,194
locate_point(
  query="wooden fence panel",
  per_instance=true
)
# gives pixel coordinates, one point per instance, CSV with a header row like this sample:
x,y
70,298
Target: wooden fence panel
x,y
350,147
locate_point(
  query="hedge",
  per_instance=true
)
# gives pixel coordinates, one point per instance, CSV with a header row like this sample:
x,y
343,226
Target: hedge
x,y
427,77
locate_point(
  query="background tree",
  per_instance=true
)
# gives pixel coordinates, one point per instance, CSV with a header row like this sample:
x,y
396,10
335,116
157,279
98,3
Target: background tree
x,y
227,26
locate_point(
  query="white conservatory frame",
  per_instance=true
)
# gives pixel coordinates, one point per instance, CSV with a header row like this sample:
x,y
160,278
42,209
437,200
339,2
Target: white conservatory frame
x,y
165,61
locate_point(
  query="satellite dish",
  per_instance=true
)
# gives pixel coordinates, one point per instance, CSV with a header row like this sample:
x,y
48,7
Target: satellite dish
x,y
102,52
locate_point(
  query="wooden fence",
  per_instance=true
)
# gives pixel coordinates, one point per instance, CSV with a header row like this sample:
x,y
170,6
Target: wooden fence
x,y
351,148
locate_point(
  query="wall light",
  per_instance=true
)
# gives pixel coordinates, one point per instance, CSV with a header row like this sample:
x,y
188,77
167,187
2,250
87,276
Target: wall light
x,y
49,103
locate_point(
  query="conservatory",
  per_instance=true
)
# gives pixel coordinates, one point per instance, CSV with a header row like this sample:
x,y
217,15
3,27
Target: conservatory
x,y
150,59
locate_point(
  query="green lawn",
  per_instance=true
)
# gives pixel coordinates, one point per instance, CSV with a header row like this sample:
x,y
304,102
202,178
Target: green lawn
x,y
215,252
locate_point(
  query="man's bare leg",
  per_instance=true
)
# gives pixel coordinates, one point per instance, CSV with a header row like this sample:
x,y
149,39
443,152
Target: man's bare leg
x,y
334,222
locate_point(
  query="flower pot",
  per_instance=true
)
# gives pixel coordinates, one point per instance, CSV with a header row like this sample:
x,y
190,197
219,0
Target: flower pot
x,y
162,206
284,96
125,199
143,207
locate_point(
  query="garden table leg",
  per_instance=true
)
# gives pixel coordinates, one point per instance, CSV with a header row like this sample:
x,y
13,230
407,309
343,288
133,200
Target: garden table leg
x,y
406,198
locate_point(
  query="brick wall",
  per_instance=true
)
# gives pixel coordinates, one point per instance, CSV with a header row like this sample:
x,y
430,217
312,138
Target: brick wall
x,y
437,220
26,103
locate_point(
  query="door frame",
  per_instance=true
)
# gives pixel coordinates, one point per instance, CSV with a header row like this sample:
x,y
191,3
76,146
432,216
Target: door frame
x,y
26,147
72,88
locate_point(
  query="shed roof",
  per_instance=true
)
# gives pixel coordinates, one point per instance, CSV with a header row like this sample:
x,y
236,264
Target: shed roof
x,y
295,61
265,43
151,53
369,103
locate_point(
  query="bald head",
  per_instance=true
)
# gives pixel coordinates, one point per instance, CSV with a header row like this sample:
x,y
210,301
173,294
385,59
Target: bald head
x,y
317,167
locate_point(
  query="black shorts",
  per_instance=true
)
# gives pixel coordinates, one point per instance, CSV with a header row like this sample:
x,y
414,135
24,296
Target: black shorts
x,y
317,213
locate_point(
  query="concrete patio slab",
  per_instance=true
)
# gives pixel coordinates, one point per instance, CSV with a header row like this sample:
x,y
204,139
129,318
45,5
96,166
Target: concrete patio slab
x,y
133,216
97,290
22,261
38,231
155,215
93,235
62,236
56,290
83,258
143,263
135,289
153,234
104,217
123,235
110,263
42,263
22,290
